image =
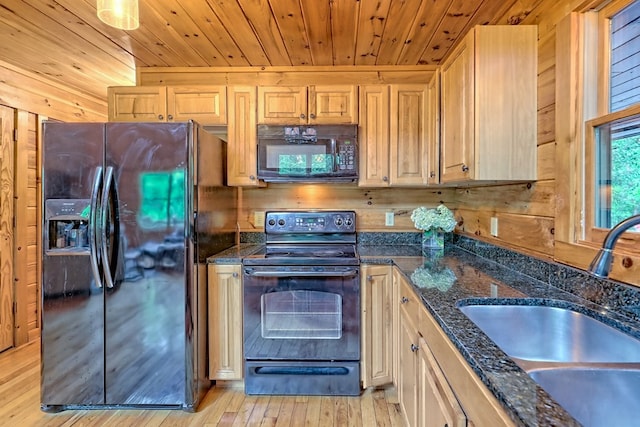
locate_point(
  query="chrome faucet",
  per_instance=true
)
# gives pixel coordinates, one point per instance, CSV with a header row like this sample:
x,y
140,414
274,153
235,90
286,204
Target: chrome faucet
x,y
601,264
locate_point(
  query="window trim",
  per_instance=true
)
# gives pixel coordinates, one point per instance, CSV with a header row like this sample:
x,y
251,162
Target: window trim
x,y
576,72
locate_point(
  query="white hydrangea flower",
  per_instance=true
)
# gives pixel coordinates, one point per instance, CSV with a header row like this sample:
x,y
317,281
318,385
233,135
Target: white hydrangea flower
x,y
440,218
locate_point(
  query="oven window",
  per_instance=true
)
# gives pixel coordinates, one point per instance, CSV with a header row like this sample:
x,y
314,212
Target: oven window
x,y
301,315
299,159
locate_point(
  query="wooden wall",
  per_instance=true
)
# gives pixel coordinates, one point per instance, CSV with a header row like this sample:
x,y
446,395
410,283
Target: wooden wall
x,y
370,204
26,99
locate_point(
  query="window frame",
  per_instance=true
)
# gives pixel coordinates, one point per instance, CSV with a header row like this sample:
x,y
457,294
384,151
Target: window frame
x,y
582,64
591,233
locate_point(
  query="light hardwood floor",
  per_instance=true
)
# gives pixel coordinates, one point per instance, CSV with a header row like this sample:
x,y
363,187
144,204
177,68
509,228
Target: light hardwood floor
x,y
222,406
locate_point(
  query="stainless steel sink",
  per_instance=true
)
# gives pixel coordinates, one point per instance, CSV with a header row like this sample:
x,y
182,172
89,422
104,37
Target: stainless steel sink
x,y
552,334
587,366
595,397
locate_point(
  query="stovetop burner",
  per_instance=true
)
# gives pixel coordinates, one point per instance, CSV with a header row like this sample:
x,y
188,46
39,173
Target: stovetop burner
x,y
304,255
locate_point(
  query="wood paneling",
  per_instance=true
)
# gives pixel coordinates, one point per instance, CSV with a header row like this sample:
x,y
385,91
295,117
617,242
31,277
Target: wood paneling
x,y
285,76
6,227
65,40
36,92
370,204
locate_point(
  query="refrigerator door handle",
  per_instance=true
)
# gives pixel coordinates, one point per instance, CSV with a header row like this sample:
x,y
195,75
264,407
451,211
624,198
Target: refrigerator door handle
x,y
93,227
105,227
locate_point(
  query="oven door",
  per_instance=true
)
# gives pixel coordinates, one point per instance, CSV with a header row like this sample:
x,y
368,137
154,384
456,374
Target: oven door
x,y
301,313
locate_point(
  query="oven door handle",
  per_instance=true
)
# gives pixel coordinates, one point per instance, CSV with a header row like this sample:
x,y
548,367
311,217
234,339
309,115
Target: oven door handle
x,y
346,273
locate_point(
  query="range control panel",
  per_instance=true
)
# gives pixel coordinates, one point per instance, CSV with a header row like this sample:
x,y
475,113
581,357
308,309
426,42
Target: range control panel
x,y
310,222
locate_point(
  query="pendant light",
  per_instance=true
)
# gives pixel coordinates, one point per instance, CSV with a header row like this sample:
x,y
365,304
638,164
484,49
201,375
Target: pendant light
x,y
121,14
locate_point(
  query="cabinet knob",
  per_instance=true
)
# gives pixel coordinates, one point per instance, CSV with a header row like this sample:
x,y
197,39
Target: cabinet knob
x,y
465,168
432,174
235,275
302,116
252,177
160,117
404,300
414,348
169,117
313,116
370,278
385,178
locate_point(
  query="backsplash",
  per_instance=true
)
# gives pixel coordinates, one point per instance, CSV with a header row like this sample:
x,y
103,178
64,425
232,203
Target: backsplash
x,y
616,296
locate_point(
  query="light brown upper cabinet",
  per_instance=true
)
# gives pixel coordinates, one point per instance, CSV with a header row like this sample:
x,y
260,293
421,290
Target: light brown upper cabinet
x,y
308,104
242,138
393,141
205,104
488,106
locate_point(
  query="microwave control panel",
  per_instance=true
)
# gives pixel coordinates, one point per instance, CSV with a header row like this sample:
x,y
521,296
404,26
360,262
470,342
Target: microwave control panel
x,y
347,155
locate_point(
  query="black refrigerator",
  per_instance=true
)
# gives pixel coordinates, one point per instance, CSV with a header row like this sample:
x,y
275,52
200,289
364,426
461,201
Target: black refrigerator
x,y
131,211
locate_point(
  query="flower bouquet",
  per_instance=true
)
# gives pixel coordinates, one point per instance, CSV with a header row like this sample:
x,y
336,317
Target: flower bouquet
x,y
434,223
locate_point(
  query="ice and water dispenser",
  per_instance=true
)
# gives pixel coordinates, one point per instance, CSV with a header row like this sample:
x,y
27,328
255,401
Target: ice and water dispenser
x,y
67,225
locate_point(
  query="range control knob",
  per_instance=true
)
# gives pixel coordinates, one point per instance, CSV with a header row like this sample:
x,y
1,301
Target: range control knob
x,y
348,222
281,222
339,221
271,222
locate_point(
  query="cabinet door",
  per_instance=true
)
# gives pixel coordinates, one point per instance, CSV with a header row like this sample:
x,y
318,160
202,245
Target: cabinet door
x,y
282,104
377,325
457,104
225,322
408,135
506,109
373,136
333,104
438,405
137,103
242,155
408,369
204,104
433,129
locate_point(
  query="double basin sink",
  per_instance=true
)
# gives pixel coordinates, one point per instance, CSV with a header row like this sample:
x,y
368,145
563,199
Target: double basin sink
x,y
590,368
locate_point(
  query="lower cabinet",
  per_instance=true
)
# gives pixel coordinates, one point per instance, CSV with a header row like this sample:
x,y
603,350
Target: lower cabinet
x,y
401,344
225,322
376,305
438,404
426,399
408,378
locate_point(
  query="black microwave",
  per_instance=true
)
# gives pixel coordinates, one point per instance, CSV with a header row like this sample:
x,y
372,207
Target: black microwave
x,y
320,153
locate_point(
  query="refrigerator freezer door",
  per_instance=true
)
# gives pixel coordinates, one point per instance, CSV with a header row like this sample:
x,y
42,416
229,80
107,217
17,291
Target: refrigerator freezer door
x,y
72,346
146,229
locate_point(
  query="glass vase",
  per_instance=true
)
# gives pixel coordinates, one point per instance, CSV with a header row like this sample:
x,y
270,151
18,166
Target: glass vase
x,y
433,240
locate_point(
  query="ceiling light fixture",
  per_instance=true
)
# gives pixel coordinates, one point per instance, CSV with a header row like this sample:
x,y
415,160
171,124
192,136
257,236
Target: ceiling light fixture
x,y
121,14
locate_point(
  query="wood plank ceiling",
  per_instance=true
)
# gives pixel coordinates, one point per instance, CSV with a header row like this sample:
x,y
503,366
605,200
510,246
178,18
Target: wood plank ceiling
x,y
64,40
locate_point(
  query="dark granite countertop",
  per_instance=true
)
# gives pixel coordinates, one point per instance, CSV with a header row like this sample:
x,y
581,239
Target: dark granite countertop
x,y
458,277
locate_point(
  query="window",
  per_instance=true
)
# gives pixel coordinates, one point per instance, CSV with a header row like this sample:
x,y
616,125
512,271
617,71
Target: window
x,y
597,132
612,139
617,171
162,204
